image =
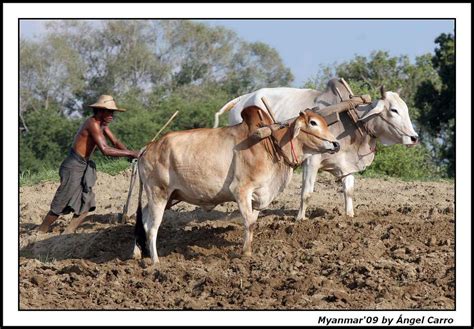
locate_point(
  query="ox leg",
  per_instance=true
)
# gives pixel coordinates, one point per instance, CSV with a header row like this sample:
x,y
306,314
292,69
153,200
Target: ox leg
x,y
309,179
151,223
348,189
250,219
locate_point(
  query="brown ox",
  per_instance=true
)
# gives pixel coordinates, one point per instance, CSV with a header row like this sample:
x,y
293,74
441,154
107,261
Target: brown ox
x,y
206,167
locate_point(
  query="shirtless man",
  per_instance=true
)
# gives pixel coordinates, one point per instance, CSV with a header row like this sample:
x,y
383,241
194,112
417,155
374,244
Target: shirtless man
x,y
77,171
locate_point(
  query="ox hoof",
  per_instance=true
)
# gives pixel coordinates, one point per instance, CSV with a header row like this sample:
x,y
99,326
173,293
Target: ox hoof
x,y
69,230
351,215
148,266
136,252
247,254
122,218
146,263
301,218
41,231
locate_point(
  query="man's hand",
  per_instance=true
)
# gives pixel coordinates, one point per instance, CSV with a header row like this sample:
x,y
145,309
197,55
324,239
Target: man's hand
x,y
133,156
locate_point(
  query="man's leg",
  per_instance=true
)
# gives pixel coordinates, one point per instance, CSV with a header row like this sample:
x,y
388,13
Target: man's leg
x,y
47,221
75,222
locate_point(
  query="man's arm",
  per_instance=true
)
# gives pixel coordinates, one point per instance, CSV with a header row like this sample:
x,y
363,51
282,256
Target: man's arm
x,y
99,139
114,140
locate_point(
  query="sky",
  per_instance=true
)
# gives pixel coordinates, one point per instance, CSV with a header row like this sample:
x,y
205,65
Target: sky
x,y
305,45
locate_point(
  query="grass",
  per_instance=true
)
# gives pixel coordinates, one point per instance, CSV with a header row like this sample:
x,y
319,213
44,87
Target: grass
x,y
46,175
46,258
111,167
116,166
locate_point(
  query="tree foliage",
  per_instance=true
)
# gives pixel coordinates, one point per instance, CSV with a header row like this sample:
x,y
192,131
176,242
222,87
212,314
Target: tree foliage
x,y
48,140
403,162
437,103
76,61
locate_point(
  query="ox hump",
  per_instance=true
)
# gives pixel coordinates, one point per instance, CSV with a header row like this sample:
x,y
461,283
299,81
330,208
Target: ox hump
x,y
254,116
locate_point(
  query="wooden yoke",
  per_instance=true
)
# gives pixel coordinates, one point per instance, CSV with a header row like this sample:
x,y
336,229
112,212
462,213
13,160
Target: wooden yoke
x,y
343,106
331,113
266,130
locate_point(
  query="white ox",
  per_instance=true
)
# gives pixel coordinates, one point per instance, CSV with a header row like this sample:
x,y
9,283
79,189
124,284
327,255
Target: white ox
x,y
386,119
207,167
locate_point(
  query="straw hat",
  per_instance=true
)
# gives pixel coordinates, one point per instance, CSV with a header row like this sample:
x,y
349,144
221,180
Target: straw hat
x,y
106,102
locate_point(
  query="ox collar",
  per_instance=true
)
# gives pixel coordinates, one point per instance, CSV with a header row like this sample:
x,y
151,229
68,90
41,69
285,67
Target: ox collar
x,y
294,163
368,130
291,163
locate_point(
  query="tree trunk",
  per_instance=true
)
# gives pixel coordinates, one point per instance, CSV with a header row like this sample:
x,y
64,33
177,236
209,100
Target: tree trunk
x,y
23,122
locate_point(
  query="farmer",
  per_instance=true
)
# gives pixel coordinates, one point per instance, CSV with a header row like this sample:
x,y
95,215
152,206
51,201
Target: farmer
x,y
78,172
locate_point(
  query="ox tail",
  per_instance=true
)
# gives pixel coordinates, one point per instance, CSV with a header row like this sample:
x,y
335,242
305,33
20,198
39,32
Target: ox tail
x,y
140,234
227,107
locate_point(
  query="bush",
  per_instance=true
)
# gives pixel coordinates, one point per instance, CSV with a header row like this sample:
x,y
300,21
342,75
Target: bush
x,y
112,166
196,106
141,122
403,162
48,140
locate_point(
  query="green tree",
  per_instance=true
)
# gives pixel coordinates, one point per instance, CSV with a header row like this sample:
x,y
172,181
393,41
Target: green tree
x,y
198,53
255,66
45,146
220,57
437,103
76,61
50,73
119,56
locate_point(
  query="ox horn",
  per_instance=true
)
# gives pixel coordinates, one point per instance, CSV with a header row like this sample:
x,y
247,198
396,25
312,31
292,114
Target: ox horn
x,y
382,91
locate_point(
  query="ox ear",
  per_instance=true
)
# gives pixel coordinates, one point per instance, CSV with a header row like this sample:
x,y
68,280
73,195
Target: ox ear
x,y
378,108
299,123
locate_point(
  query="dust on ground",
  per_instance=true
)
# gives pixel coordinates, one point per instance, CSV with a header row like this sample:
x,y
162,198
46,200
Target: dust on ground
x,y
396,253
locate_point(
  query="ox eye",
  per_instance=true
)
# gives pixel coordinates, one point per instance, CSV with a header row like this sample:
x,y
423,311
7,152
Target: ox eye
x,y
394,110
313,123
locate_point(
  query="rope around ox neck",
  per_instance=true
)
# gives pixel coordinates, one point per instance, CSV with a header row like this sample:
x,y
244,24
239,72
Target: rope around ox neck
x,y
295,163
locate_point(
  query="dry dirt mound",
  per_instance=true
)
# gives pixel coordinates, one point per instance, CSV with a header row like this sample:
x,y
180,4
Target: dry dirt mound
x,y
397,253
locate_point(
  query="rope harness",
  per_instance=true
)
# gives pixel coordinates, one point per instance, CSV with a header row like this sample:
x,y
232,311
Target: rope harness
x,y
401,132
294,163
353,115
295,157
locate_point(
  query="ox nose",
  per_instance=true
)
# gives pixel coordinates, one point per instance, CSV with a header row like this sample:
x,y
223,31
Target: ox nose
x,y
414,139
336,147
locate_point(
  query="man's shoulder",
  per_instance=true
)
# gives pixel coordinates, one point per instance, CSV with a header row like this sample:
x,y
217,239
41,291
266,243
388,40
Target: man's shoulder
x,y
90,122
90,126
